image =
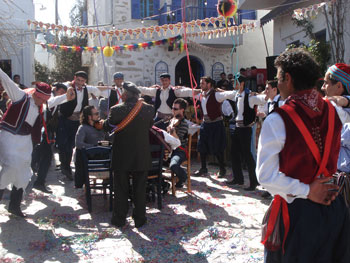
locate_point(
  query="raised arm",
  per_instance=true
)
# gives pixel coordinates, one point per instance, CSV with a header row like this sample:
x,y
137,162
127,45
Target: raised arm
x,y
12,89
225,95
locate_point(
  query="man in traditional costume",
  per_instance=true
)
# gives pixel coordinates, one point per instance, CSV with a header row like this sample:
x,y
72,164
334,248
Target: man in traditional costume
x,y
20,127
241,136
115,95
131,122
165,96
297,155
60,94
212,135
69,118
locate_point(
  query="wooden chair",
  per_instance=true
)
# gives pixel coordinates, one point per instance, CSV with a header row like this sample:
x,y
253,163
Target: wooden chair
x,y
98,173
188,165
155,174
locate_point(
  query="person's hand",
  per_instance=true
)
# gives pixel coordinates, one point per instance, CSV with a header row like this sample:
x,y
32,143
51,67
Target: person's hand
x,y
339,100
322,193
70,94
155,86
261,114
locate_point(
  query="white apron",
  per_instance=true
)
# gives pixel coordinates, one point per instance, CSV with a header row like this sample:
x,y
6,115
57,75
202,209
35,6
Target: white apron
x,y
15,159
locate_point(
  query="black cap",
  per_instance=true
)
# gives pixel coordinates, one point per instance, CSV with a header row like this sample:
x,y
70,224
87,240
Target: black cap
x,y
131,87
82,74
165,75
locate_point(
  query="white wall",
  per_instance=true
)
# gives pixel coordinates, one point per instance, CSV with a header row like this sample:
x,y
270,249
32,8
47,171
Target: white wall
x,y
286,32
139,66
20,50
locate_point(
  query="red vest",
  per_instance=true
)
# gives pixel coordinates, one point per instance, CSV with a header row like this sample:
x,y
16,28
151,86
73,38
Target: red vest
x,y
14,120
296,159
213,106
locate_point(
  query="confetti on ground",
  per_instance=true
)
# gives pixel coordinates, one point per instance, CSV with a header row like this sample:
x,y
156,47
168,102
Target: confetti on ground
x,y
214,223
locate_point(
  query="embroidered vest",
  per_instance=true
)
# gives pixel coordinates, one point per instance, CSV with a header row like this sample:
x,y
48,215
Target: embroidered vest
x,y
113,98
172,97
249,114
67,108
213,107
13,120
296,159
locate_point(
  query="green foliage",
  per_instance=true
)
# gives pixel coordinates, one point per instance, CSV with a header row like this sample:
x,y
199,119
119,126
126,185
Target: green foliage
x,y
76,14
42,72
67,63
320,50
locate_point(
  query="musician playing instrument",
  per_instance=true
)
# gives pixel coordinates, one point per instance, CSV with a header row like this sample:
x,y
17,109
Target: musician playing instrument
x,y
89,133
178,128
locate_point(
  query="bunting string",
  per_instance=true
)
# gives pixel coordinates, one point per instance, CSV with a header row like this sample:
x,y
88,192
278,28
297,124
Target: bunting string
x,y
176,42
147,32
310,11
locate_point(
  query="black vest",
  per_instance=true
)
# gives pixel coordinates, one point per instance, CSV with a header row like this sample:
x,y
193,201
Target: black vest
x,y
172,97
275,105
113,98
249,114
67,108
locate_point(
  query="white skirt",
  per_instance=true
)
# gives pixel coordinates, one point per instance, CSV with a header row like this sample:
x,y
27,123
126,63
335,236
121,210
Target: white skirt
x,y
15,159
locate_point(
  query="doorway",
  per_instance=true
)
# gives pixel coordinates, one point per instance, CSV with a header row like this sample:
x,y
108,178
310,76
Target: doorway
x,y
182,76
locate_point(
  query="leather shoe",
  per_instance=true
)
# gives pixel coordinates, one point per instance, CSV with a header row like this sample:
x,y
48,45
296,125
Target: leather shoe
x,y
250,188
117,223
16,211
42,188
222,173
141,223
266,194
68,174
200,172
233,182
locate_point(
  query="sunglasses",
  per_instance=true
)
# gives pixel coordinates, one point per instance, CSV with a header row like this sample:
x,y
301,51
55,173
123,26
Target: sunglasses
x,y
95,113
175,108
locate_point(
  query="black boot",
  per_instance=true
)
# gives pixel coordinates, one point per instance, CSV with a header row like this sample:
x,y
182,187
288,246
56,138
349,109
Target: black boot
x,y
1,193
65,166
15,202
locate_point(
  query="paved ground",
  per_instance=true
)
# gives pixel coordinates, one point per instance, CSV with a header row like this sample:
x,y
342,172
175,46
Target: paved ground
x,y
215,223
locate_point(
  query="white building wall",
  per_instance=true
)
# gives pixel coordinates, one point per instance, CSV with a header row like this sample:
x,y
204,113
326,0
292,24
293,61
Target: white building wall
x,y
139,66
20,50
285,32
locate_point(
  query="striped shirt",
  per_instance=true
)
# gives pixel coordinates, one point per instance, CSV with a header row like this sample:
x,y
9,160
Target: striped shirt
x,y
182,131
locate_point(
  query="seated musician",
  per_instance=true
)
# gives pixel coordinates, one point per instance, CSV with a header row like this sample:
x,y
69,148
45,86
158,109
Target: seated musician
x,y
178,128
89,133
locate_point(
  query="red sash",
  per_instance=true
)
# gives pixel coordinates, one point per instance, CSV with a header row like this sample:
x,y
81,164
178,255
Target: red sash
x,y
278,202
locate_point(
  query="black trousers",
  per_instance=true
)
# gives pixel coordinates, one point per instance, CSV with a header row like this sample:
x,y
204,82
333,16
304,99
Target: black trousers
x,y
45,152
240,148
65,138
122,193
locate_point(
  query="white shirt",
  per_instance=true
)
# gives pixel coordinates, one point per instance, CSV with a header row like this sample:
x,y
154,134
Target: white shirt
x,y
54,101
271,142
253,100
16,94
219,96
90,89
164,95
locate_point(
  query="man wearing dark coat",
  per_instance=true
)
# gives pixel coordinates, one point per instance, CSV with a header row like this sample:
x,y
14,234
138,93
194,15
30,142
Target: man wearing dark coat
x,y
130,154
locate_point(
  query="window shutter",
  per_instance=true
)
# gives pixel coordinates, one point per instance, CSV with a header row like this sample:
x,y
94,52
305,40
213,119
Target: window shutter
x,y
156,11
135,9
211,8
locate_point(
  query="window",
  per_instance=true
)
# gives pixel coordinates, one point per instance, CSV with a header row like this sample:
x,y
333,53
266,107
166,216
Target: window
x,y
144,8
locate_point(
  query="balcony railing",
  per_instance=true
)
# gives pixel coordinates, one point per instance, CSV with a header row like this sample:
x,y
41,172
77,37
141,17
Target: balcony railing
x,y
171,14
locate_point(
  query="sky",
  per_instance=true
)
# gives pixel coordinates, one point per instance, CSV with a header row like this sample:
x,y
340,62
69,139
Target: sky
x,y
48,15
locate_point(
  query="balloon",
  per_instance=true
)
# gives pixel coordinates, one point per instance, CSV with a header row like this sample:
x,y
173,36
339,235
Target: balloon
x,y
108,51
227,8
